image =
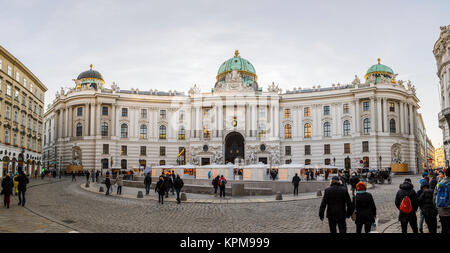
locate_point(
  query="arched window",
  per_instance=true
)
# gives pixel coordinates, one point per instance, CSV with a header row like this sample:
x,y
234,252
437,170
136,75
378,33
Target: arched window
x,y
392,126
104,129
326,129
307,130
346,128
366,124
124,131
182,133
162,132
79,129
287,131
143,132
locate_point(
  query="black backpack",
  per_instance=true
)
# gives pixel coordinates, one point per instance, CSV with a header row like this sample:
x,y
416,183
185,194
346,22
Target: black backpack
x,y
222,183
214,182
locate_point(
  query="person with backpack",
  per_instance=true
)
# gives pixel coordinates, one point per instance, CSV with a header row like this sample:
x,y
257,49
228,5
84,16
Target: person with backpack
x,y
427,208
442,199
7,190
336,201
407,204
222,183
161,189
148,183
365,209
215,183
22,187
178,184
295,181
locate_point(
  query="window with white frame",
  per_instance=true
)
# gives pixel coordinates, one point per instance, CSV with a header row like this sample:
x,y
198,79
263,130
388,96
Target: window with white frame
x,y
17,76
8,112
9,71
8,90
31,87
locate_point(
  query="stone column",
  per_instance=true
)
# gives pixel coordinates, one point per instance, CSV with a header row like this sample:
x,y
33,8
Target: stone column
x,y
357,117
300,122
61,118
339,119
113,120
254,120
385,112
334,118
295,125
70,121
92,121
86,120
199,126
277,120
221,120
411,119
373,115
216,121
379,116
401,119
97,119
117,123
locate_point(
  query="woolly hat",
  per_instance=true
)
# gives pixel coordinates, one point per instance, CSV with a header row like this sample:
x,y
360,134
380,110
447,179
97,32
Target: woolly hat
x,y
424,174
424,184
361,186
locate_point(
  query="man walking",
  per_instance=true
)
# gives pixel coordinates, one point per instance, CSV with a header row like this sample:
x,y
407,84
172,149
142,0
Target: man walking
x,y
353,181
442,199
148,183
87,176
338,204
178,184
73,176
222,183
23,181
295,181
215,183
97,174
407,203
107,183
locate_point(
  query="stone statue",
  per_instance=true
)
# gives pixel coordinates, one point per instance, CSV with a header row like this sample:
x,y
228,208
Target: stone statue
x,y
409,84
274,88
76,156
356,80
396,153
218,157
371,80
194,90
400,82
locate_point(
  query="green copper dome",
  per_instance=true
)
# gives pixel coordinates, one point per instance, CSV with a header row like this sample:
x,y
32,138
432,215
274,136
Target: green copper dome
x,y
236,63
378,69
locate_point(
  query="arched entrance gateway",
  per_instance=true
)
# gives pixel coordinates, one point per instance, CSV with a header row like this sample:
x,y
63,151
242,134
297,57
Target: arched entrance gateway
x,y
234,147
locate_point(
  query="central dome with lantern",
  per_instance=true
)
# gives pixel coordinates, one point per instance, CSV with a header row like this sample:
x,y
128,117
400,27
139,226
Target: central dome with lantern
x,y
237,66
91,78
378,71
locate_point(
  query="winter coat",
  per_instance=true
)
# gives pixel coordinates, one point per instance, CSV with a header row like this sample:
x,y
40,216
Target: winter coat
x,y
160,187
148,179
441,210
353,181
7,186
433,183
215,182
337,202
406,189
296,180
119,180
178,183
23,181
426,203
16,183
107,182
220,181
365,208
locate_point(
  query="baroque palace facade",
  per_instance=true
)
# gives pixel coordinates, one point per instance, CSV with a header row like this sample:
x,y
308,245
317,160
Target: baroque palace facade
x,y
369,123
21,116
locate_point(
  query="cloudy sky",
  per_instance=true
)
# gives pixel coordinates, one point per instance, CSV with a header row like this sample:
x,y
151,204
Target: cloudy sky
x,y
175,44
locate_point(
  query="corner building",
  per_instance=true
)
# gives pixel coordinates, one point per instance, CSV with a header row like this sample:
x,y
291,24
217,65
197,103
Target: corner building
x,y
369,123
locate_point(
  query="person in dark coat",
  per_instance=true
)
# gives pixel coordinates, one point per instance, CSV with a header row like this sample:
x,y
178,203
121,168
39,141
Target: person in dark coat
x,y
73,176
427,207
22,187
173,182
148,183
338,204
178,184
7,190
97,174
353,181
222,182
168,184
295,181
87,176
365,208
107,183
161,189
215,183
406,189
433,182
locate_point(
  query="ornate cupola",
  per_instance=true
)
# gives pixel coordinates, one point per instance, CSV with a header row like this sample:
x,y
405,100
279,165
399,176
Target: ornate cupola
x,y
237,69
380,72
91,78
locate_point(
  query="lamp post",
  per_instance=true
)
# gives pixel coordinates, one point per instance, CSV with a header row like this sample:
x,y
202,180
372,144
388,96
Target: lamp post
x,y
334,161
380,162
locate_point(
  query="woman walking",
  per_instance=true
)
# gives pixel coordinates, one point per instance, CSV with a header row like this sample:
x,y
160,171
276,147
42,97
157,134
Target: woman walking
x,y
107,183
161,189
365,209
7,190
119,182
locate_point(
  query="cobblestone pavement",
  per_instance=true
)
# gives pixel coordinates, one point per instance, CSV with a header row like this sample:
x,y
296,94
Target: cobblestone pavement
x,y
66,203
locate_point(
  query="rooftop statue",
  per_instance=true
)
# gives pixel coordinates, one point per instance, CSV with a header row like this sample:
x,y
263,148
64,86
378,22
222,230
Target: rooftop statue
x,y
356,80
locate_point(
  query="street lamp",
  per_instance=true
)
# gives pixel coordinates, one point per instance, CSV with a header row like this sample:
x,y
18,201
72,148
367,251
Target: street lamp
x,y
380,162
334,161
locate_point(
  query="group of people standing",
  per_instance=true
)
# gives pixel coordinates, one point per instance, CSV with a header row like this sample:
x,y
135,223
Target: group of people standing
x,y
16,185
219,182
167,182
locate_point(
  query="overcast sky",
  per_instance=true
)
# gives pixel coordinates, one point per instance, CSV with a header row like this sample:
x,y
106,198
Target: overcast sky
x,y
175,44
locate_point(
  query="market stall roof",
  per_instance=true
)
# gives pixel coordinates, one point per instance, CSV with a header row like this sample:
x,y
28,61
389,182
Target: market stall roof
x,y
165,167
186,166
258,166
291,166
218,166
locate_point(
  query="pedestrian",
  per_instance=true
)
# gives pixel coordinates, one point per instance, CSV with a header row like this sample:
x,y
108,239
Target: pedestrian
x,y
433,182
97,174
119,182
147,183
7,190
209,174
428,210
173,181
222,183
441,176
338,204
307,175
35,173
22,187
353,181
87,176
425,174
73,176
161,189
54,174
326,175
107,183
215,183
442,200
407,204
295,181
93,176
168,184
365,208
178,184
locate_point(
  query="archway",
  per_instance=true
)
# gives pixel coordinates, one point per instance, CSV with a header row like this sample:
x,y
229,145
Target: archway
x,y
234,147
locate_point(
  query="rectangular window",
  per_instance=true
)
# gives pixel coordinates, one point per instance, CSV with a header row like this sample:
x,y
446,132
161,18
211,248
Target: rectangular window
x,y
346,108
16,116
123,150
307,111
162,114
262,112
9,71
144,113
105,149
80,111
8,90
391,107
25,82
366,106
326,149
307,149
326,110
162,151
105,110
31,87
124,112
347,148
365,146
24,99
8,112
143,150
16,95
17,76
287,113
287,150
206,113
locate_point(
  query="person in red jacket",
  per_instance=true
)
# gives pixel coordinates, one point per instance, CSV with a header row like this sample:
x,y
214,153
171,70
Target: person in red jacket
x,y
222,183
